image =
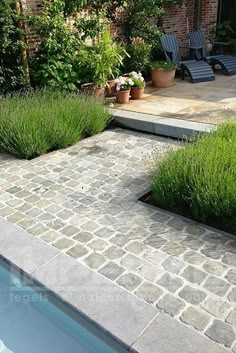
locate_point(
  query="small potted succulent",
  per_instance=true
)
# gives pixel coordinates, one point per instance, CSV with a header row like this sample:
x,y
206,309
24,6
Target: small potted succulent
x,y
123,86
163,74
137,90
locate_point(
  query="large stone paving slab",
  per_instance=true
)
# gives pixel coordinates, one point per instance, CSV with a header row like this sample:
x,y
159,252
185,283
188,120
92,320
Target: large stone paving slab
x,y
83,202
206,102
165,335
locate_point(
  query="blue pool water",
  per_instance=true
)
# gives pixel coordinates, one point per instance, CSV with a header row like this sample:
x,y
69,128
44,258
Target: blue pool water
x,y
33,321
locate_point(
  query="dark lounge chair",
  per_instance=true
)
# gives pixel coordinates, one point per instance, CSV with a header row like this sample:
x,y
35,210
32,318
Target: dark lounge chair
x,y
199,51
199,71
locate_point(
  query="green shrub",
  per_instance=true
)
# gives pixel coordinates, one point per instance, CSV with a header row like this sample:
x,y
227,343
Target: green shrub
x,y
201,178
40,122
139,56
11,70
166,66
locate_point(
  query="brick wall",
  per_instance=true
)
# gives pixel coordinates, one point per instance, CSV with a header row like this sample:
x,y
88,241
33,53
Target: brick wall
x,y
177,20
208,15
32,7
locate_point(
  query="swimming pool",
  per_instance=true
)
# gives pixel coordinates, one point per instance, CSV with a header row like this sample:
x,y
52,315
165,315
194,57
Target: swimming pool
x,y
32,320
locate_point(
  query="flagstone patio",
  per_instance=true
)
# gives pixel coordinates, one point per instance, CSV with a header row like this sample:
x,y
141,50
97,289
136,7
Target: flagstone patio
x,y
208,102
84,201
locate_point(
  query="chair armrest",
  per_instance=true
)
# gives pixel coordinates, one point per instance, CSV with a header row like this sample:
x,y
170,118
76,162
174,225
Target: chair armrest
x,y
221,43
195,48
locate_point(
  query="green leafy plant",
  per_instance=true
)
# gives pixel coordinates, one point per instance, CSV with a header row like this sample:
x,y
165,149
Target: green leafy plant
x,y
11,70
166,66
223,32
139,56
200,178
58,63
39,122
99,15
103,59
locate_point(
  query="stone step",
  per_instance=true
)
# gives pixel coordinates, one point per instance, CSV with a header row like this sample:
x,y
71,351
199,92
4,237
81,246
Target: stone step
x,y
159,125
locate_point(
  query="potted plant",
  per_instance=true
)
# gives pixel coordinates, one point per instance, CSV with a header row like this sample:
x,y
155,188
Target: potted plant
x,y
113,55
163,74
97,72
103,60
137,90
123,86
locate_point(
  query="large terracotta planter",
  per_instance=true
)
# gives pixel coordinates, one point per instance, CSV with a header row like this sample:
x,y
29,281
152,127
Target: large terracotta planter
x,y
137,93
122,97
91,90
162,78
111,88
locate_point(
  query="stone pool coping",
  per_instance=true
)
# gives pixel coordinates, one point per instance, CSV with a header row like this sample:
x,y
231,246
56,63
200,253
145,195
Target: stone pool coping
x,y
130,321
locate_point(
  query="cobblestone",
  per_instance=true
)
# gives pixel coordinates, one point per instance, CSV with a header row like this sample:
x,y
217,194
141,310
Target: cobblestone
x,y
231,276
135,247
194,257
221,332
95,260
214,267
149,292
192,295
216,285
195,318
216,307
232,295
231,319
63,243
171,305
114,252
169,282
77,251
132,262
173,265
130,281
111,270
229,259
194,275
86,205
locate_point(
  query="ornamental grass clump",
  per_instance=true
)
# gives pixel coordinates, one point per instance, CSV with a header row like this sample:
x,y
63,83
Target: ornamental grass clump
x,y
40,122
199,180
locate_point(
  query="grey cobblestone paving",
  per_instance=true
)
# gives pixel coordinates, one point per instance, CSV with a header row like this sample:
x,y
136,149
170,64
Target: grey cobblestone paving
x,y
83,200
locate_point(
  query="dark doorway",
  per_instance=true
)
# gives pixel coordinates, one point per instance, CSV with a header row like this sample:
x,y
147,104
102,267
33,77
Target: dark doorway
x,y
227,11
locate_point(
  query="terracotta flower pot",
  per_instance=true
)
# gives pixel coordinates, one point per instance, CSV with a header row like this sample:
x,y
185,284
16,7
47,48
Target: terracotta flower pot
x,y
137,93
162,78
90,89
122,97
111,88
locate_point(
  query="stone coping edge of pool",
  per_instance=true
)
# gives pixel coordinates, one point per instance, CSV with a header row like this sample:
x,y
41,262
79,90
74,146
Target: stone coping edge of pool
x,y
134,324
158,125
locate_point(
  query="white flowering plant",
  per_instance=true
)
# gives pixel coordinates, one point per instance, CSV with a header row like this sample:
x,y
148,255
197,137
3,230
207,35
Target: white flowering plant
x,y
124,83
137,79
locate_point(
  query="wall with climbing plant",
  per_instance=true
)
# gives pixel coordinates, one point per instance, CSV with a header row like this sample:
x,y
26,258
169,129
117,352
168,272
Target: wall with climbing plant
x,y
57,37
11,69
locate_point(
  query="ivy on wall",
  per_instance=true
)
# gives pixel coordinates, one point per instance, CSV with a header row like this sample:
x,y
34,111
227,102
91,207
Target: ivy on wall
x,y
11,71
144,19
59,59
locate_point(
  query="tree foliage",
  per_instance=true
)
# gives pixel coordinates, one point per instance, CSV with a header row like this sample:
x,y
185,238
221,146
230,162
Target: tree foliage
x,y
11,71
144,19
